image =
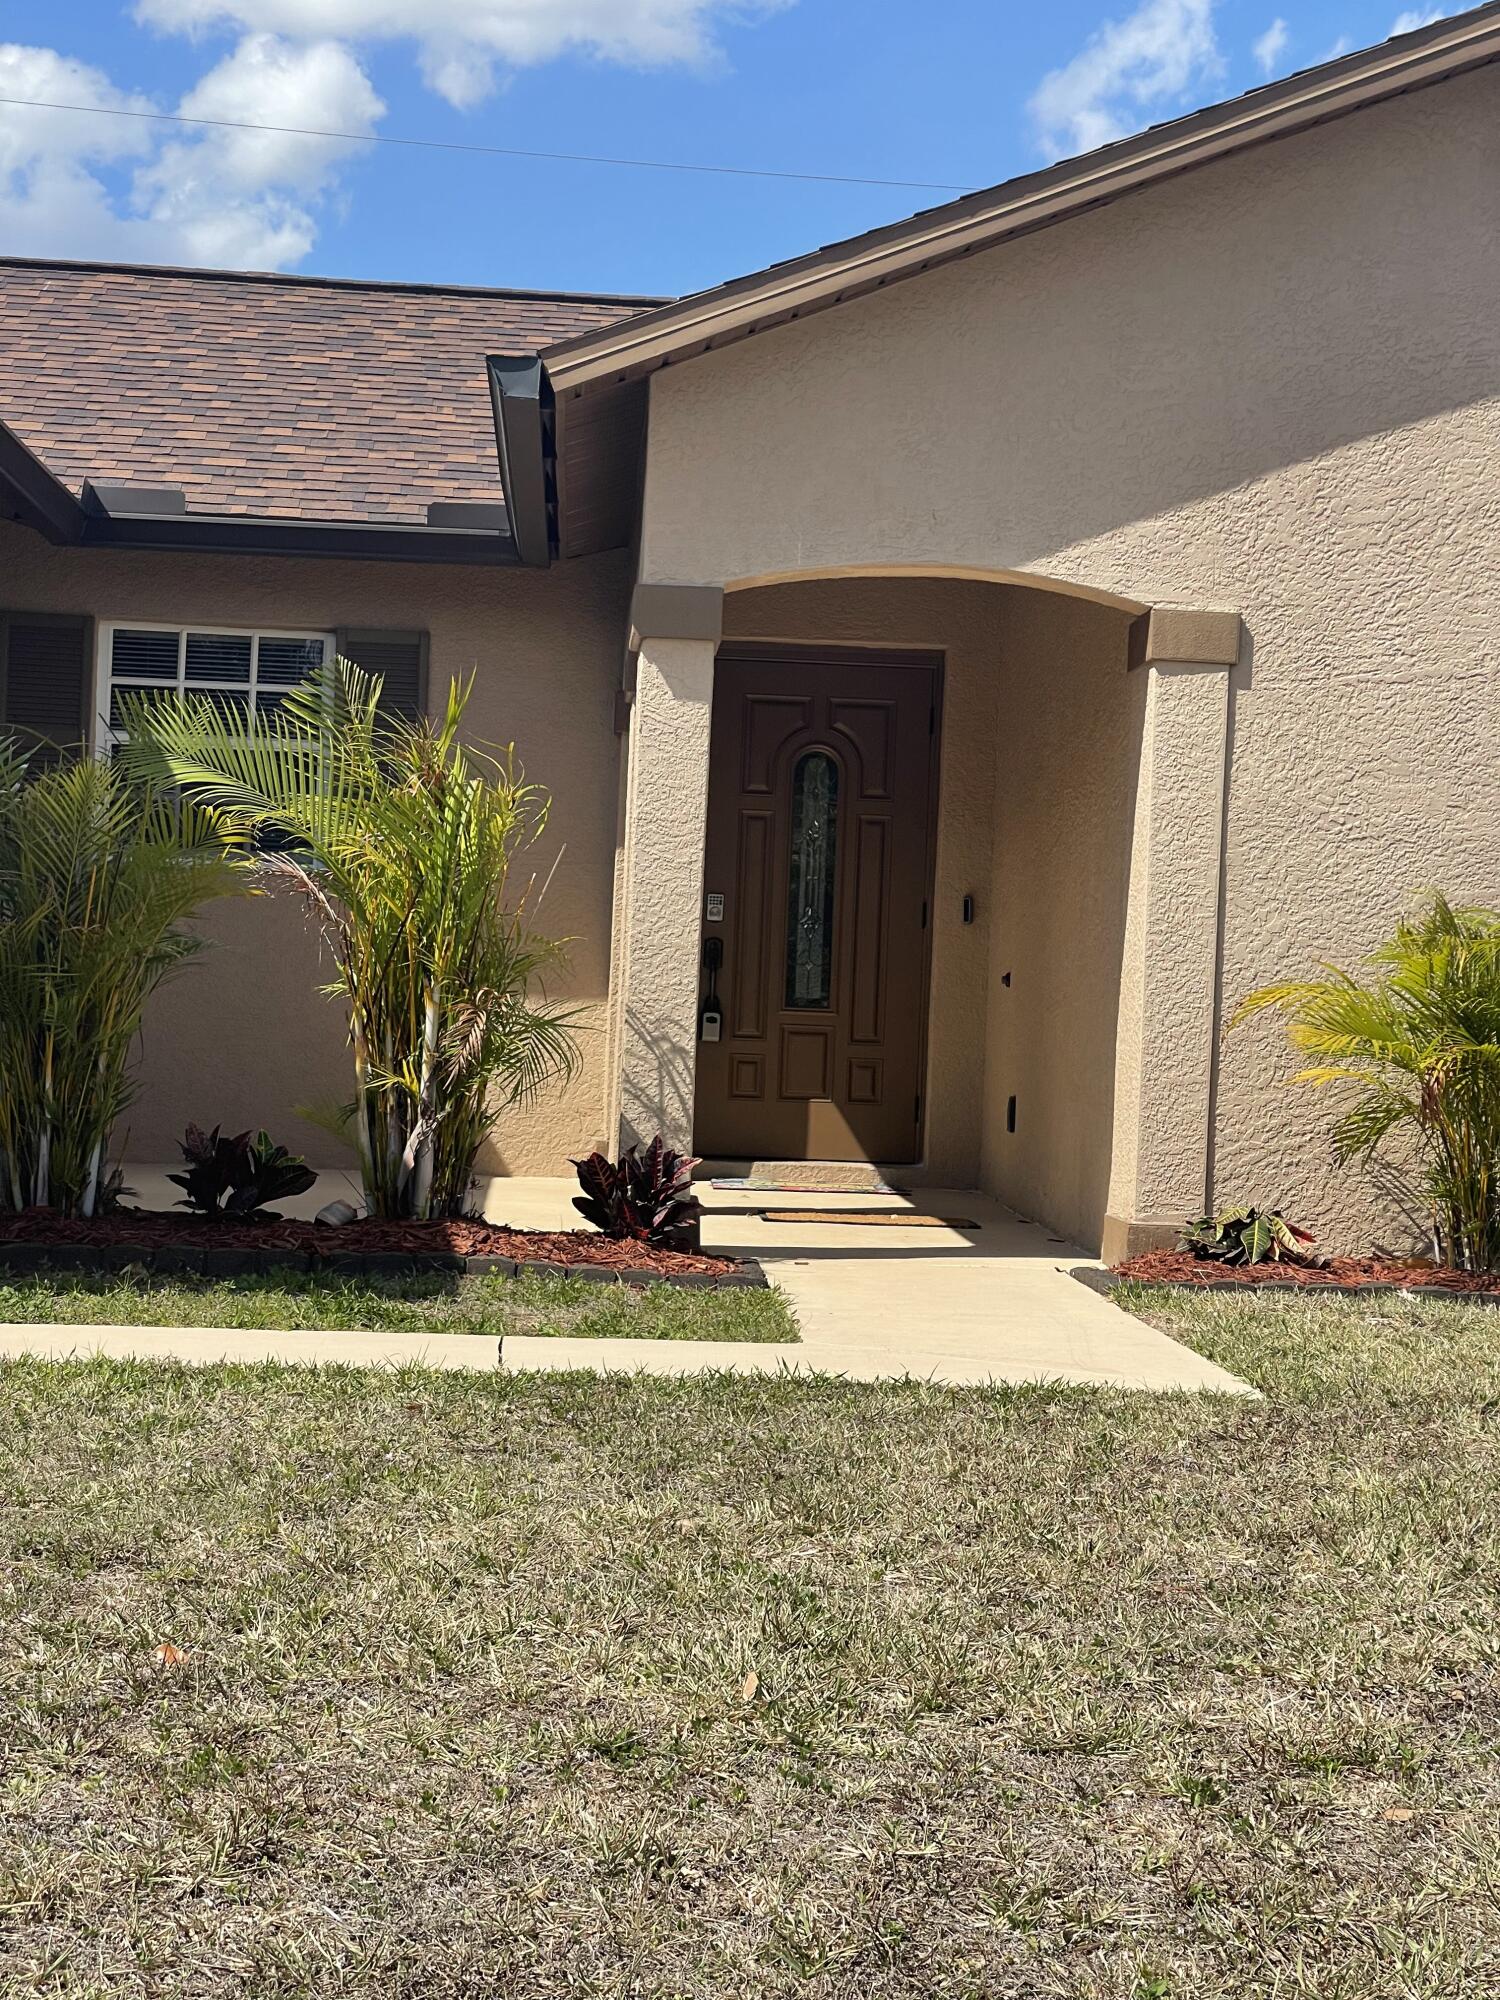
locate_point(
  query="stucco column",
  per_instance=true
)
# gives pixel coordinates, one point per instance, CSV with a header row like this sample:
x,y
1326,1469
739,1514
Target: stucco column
x,y
654,1003
1164,1053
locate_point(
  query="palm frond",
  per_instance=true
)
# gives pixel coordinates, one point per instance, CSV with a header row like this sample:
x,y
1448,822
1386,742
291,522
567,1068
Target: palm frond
x,y
98,879
401,837
1418,1042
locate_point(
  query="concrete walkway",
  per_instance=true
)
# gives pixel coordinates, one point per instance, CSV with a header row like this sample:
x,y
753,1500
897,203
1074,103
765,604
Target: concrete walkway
x,y
993,1304
990,1304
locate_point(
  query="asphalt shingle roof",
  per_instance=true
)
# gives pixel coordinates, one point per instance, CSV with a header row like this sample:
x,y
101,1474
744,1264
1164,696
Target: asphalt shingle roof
x,y
299,398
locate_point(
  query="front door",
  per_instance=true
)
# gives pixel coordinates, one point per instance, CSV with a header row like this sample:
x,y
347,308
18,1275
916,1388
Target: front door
x,y
819,833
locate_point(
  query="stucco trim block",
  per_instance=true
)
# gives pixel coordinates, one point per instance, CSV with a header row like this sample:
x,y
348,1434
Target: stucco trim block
x,y
1173,632
676,611
1123,1237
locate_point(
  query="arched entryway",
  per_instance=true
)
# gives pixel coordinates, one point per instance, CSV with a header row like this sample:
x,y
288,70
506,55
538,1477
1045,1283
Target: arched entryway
x,y
1017,954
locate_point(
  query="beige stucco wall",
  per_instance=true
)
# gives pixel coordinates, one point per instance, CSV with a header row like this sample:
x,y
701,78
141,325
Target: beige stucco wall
x,y
1068,738
1272,385
660,886
242,1036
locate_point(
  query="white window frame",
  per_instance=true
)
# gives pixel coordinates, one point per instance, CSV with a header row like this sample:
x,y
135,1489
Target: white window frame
x,y
106,736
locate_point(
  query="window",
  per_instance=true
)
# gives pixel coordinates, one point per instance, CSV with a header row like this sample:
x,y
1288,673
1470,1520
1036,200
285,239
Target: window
x,y
809,922
240,670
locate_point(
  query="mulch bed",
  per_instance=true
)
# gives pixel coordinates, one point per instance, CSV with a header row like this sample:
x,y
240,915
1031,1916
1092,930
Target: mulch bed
x,y
1345,1274
158,1240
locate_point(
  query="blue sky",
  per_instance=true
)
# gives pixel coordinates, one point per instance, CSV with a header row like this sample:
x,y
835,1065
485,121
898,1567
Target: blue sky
x,y
953,91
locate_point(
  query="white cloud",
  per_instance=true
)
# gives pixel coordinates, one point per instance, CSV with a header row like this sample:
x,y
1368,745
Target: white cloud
x,y
90,186
1417,17
1126,70
1272,46
460,41
79,185
249,197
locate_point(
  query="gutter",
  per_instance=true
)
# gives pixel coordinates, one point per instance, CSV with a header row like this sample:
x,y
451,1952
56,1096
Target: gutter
x,y
140,522
141,517
976,222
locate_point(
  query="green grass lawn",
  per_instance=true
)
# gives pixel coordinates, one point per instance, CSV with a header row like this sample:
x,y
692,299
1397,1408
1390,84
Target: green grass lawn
x,y
559,1685
1309,1348
494,1306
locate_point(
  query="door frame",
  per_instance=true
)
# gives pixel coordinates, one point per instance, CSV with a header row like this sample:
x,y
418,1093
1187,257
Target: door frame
x,y
825,652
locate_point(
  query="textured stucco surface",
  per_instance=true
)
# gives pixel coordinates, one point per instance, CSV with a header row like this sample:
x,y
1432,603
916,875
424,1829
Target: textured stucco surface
x,y
1165,1046
242,1036
661,889
1067,747
1271,386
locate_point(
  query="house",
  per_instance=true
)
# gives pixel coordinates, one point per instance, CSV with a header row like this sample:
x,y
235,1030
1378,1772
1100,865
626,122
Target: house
x,y
965,659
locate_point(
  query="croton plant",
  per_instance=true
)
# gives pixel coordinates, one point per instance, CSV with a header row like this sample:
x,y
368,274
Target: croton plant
x,y
646,1196
1249,1236
238,1176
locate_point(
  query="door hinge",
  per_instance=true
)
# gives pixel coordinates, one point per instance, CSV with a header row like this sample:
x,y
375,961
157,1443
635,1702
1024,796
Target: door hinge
x,y
924,913
932,720
916,1109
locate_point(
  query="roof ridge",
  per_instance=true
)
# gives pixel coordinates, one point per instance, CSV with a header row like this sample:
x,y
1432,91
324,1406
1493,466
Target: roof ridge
x,y
314,279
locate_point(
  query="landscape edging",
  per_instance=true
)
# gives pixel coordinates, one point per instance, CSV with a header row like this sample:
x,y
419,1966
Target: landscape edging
x,y
18,1259
1108,1281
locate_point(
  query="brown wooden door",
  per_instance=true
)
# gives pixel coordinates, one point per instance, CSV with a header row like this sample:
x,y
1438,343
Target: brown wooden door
x,y
819,831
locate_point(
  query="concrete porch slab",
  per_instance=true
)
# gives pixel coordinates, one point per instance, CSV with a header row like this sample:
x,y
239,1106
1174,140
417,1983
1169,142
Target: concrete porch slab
x,y
995,1304
992,1304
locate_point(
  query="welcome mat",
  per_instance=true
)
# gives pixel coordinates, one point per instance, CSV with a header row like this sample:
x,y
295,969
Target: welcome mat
x,y
804,1177
868,1218
748,1185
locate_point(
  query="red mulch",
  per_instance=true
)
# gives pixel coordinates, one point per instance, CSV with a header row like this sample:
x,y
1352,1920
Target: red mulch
x,y
160,1229
1181,1267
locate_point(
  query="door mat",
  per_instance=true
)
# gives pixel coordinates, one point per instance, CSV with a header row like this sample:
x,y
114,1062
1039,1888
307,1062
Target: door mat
x,y
868,1218
750,1185
802,1176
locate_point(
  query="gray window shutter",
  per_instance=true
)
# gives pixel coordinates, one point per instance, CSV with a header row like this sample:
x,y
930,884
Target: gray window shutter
x,y
45,676
400,659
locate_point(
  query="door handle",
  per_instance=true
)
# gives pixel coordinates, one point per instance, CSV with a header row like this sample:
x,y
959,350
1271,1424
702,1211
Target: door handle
x,y
711,1014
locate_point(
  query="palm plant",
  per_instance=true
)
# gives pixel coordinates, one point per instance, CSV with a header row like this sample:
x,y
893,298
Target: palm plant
x,y
401,839
1420,1045
97,880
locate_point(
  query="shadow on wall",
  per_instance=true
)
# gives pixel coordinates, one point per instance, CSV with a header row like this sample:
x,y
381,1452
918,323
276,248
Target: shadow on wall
x,y
242,1036
657,1085
1163,356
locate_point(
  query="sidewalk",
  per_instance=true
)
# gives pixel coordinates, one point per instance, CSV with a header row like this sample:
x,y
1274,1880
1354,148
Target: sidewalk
x,y
983,1305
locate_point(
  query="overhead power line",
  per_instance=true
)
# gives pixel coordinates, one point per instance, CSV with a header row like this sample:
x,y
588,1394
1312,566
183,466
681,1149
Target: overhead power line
x,y
494,152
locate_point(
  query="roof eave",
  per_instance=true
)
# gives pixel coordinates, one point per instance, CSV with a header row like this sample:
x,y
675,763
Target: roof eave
x,y
117,516
242,534
29,493
37,499
975,222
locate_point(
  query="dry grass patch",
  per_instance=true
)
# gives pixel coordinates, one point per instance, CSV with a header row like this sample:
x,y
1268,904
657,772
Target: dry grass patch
x,y
626,1687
